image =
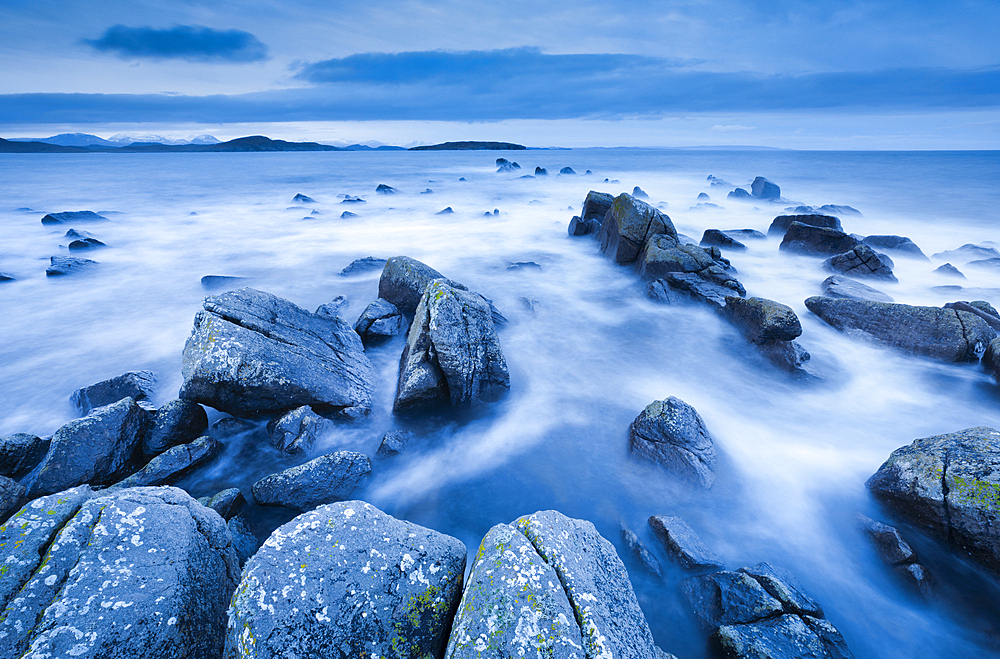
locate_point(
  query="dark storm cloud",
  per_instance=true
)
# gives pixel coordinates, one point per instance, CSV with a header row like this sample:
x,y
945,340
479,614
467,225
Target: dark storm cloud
x,y
190,42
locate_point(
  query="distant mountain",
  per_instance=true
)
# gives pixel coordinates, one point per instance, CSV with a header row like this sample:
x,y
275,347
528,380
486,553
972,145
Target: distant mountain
x,y
67,139
124,139
471,146
252,143
17,146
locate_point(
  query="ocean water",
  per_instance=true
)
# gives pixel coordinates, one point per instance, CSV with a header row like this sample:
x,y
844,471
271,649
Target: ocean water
x,y
585,356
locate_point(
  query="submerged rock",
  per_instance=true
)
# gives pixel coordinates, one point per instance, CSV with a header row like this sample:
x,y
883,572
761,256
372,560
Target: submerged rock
x,y
297,431
720,239
627,226
761,188
85,244
361,266
781,223
219,282
683,545
68,265
640,553
177,422
862,261
393,443
303,199
806,239
350,580
739,193
745,234
839,286
899,244
251,352
380,320
671,433
504,165
567,170
139,385
897,554
385,189
949,271
326,479
968,252
73,216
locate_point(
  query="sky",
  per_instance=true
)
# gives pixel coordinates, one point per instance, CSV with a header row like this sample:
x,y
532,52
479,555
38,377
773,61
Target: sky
x,y
851,74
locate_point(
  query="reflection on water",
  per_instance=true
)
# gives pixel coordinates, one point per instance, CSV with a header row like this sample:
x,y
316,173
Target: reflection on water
x,y
585,357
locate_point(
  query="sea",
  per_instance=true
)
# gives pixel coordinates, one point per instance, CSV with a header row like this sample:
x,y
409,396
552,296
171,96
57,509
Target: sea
x,y
586,349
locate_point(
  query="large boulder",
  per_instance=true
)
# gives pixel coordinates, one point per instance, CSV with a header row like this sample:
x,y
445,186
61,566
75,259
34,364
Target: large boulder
x,y
452,354
761,320
805,239
900,244
138,385
781,223
980,308
946,335
297,431
251,352
136,573
98,449
178,422
326,479
948,485
596,583
380,320
20,452
761,188
701,273
596,205
73,216
404,280
671,433
347,580
862,261
839,286
628,225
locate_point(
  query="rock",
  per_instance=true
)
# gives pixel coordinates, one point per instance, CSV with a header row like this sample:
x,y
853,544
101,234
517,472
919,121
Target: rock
x,y
596,206
640,553
513,604
701,273
781,223
983,306
166,590
303,199
567,170
945,335
85,243
786,355
251,352
353,200
138,385
784,587
178,422
326,479
784,637
98,449
427,191
523,265
761,188
991,359
385,189
230,425
404,281
683,545
350,580
947,484
297,431
73,216
671,434
393,443
990,264
761,320
541,171
702,196
452,354
332,308
348,214
716,182
11,496
987,312
380,320
445,211
361,266
663,254
806,239
838,286
888,544
729,598
950,271
899,244
579,227
638,193
75,234
718,238
595,582
739,193
6,276
704,290
219,282
504,165
228,503
968,252
174,463
745,234
839,209
19,453
245,543
68,265
862,261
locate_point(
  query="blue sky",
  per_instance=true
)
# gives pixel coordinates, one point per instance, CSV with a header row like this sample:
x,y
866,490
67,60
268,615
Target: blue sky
x,y
840,74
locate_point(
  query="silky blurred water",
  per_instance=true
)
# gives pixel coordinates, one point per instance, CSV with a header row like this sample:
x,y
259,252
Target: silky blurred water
x,y
794,454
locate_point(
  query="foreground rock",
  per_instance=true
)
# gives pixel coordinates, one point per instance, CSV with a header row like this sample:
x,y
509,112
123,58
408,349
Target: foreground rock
x,y
347,580
251,353
771,326
11,496
404,281
761,188
947,485
164,594
897,555
393,443
862,261
380,320
945,335
68,265
20,452
700,273
298,430
839,286
326,479
805,239
452,354
781,223
361,266
178,422
175,463
683,545
627,226
671,434
138,385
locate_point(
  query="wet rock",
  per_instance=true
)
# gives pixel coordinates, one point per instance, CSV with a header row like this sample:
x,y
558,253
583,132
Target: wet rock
x,y
897,554
174,463
326,479
541,171
761,188
523,265
98,449
75,234
784,637
729,598
761,320
303,199
862,261
228,503
683,545
404,280
385,189
6,276
705,289
349,579
332,308
671,434
445,211
628,225
701,273
839,209
251,352
353,200
73,216
898,244
393,443
513,604
68,265
638,193
167,589
805,239
595,582
230,425
138,385
991,359
781,223
947,484
380,320
580,227
702,196
567,170
504,165
348,214
452,354
968,252
716,182
177,422
11,496
20,452
640,553
838,286
739,193
219,282
297,431
786,355
950,271
980,308
245,543
945,335
720,239
361,266
745,234
784,587
85,244
427,191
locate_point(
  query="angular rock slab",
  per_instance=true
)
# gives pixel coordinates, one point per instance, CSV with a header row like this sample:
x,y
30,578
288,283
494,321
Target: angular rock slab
x,y
729,598
138,385
950,485
839,286
628,225
784,637
862,261
326,479
126,574
514,605
595,580
174,463
379,321
672,434
297,431
807,239
946,335
684,545
251,352
178,422
347,580
452,353
781,223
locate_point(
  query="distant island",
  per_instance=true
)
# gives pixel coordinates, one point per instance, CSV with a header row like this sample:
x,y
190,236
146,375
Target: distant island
x,y
242,144
471,146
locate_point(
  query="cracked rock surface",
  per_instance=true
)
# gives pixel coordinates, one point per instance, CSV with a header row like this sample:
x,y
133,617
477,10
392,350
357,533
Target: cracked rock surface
x,y
862,261
629,223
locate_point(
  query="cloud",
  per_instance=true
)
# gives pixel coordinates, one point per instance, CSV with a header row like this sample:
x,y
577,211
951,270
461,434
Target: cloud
x,y
190,42
730,128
